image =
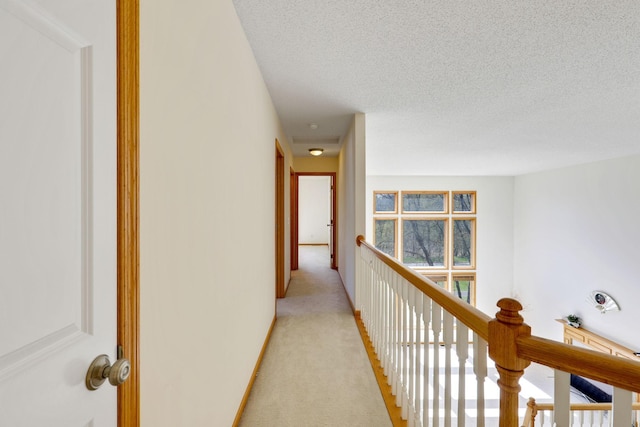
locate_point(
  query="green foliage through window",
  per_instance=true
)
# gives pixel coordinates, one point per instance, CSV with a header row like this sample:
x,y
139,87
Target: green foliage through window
x,y
462,232
423,242
386,236
434,233
423,202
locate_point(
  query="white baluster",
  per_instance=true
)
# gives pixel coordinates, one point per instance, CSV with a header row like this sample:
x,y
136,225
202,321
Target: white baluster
x,y
399,326
372,303
561,405
462,351
381,309
480,369
448,342
366,290
358,276
411,292
401,398
379,293
384,306
622,400
426,362
378,315
436,325
405,350
394,337
542,417
418,404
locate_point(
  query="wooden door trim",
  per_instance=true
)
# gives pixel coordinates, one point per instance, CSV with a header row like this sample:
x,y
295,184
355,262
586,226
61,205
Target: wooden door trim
x,y
334,211
293,186
279,234
128,185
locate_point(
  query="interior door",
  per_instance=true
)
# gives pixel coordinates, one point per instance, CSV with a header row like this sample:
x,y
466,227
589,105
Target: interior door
x,y
58,210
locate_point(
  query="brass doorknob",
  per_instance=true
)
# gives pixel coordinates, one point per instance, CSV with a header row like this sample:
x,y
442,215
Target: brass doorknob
x,y
101,369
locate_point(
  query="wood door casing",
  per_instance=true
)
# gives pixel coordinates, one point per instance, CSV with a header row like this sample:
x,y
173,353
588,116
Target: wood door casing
x,y
293,187
279,225
128,113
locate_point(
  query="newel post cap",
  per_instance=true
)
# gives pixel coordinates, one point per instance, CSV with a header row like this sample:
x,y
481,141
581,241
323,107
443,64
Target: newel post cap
x,y
507,326
509,311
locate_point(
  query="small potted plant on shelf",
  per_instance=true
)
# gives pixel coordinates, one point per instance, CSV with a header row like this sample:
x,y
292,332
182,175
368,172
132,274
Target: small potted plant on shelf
x,y
574,321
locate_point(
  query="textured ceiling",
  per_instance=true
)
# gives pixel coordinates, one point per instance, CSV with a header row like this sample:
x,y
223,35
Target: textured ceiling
x,y
454,87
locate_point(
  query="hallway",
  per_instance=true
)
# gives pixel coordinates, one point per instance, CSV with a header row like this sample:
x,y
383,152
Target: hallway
x,y
315,371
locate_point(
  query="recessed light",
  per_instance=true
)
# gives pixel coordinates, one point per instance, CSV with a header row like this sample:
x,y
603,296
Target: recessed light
x,y
313,126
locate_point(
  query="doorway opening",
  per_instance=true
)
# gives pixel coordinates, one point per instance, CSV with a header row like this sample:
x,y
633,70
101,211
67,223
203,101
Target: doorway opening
x,y
314,213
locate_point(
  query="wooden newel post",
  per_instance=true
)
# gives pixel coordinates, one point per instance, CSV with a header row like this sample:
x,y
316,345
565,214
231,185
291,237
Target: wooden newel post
x,y
503,332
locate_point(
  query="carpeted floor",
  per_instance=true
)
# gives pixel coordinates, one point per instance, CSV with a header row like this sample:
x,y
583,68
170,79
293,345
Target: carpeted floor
x,y
315,371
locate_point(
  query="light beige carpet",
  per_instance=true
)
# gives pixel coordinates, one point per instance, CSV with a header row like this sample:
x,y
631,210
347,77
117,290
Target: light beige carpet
x,y
315,371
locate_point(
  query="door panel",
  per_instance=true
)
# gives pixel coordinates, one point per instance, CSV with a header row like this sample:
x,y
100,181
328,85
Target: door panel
x,y
57,217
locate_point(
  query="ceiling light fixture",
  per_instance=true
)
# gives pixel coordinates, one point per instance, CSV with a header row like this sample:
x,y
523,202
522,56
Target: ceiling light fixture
x,y
316,151
313,126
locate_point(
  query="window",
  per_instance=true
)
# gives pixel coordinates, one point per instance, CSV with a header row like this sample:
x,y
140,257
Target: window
x,y
386,236
424,201
423,242
463,242
464,202
433,232
385,202
463,285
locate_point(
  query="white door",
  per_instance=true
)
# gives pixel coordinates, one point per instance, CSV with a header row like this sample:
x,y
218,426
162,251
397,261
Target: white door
x,y
57,210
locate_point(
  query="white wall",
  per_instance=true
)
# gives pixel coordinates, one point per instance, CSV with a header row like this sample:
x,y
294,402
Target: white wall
x,y
494,238
314,209
208,131
351,199
577,230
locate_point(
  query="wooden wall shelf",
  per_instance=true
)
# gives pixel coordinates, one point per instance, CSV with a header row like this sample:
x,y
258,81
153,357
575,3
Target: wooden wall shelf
x,y
596,342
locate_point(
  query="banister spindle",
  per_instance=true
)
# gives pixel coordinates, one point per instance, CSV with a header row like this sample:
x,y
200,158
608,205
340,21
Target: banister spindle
x,y
426,367
480,369
447,332
436,326
418,360
462,351
503,332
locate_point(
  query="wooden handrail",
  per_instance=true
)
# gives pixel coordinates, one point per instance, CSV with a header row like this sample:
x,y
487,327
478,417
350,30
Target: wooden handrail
x,y
466,313
534,407
616,371
584,406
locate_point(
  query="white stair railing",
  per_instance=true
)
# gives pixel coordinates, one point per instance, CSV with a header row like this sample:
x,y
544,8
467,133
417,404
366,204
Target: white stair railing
x,y
417,329
422,347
